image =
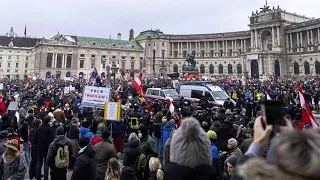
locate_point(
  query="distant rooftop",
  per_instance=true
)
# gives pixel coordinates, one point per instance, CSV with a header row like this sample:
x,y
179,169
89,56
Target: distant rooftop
x,y
104,42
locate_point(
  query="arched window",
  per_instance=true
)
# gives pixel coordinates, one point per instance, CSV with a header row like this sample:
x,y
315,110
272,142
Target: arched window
x,y
211,69
296,68
68,74
175,68
48,74
220,69
239,69
317,67
229,69
202,53
277,67
211,53
306,68
202,69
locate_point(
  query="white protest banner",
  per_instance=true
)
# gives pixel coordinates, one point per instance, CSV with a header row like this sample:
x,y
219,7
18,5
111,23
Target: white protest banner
x,y
95,96
68,89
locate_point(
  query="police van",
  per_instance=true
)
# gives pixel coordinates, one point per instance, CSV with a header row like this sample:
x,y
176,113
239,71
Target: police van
x,y
161,94
194,91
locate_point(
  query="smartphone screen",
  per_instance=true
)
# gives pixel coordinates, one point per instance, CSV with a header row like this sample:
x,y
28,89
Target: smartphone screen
x,y
274,115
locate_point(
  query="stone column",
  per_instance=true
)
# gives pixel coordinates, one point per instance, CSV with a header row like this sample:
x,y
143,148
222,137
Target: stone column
x,y
54,59
291,42
278,35
318,36
214,48
308,40
172,53
273,37
178,49
311,42
298,48
245,46
256,39
241,46
301,41
252,38
223,47
232,47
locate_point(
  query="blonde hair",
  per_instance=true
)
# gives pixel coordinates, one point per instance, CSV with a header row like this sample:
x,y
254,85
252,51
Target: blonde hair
x,y
155,166
132,136
113,170
102,127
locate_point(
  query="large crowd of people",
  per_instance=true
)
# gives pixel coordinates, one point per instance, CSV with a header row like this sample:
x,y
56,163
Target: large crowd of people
x,y
50,133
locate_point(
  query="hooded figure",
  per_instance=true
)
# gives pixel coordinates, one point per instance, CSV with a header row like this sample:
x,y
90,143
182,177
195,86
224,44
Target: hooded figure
x,y
190,153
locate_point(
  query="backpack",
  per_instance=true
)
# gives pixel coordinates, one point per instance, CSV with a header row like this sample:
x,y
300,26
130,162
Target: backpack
x,y
140,166
134,123
61,159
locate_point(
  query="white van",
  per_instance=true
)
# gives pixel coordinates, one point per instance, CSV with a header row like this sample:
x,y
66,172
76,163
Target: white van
x,y
193,92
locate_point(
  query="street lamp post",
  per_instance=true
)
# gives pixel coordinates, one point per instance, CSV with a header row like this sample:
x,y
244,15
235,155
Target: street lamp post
x,y
114,70
109,76
246,76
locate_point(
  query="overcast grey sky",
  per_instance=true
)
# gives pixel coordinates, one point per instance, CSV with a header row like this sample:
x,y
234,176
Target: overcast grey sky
x,y
101,18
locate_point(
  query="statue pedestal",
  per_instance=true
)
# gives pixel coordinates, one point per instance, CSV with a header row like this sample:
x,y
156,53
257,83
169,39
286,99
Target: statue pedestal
x,y
190,74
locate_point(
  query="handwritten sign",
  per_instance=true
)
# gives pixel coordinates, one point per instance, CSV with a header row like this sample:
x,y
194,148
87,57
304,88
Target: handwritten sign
x,y
95,96
112,111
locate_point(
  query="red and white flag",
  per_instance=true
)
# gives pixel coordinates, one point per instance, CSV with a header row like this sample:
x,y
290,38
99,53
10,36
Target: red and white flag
x,y
170,105
307,115
29,78
137,84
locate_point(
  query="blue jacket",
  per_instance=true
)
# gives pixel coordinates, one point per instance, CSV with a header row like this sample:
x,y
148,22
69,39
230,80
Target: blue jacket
x,y
166,131
86,132
118,128
214,150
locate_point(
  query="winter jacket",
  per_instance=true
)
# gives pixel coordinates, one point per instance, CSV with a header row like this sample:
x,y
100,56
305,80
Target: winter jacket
x,y
86,132
2,142
73,132
148,146
13,169
24,130
85,165
157,128
245,145
118,128
3,108
32,139
214,150
44,136
166,131
4,125
104,151
225,132
59,141
174,171
131,153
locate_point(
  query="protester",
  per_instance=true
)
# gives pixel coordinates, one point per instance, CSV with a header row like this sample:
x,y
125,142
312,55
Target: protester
x,y
33,146
59,154
132,151
85,165
12,163
44,136
127,173
73,136
155,169
85,131
97,137
104,151
190,153
113,170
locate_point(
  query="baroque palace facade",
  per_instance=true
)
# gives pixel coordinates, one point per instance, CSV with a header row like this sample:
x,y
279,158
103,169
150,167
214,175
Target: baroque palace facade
x,y
277,42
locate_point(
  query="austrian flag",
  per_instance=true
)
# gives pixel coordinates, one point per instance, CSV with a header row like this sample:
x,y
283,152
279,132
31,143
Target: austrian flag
x,y
137,84
307,115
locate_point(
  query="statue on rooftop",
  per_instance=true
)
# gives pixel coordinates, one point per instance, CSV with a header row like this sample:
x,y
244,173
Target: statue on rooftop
x,y
11,33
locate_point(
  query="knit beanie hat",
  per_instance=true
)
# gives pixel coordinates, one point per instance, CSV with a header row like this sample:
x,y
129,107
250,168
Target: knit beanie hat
x,y
60,131
190,145
211,134
233,142
83,141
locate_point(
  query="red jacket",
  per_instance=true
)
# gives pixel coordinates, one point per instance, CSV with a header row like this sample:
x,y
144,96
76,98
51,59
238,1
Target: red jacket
x,y
3,108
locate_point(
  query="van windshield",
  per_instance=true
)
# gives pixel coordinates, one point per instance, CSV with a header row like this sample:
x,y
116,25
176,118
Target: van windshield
x,y
170,93
220,95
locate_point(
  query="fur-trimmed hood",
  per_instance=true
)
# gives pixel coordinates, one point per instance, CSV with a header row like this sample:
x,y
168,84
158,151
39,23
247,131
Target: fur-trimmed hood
x,y
259,169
